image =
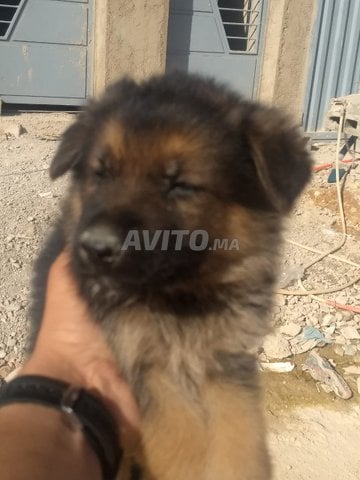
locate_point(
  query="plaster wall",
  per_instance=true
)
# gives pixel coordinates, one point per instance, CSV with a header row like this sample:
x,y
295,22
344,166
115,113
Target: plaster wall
x,y
286,55
130,39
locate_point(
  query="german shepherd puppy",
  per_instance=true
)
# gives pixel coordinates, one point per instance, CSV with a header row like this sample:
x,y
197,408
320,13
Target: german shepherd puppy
x,y
179,153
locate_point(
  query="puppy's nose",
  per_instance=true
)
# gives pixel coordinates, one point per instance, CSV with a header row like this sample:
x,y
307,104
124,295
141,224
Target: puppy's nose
x,y
100,242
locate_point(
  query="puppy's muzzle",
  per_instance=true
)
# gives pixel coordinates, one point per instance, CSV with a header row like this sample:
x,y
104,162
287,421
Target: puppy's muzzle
x,y
100,243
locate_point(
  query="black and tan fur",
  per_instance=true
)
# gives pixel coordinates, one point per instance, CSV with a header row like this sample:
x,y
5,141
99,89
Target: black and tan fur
x,y
180,152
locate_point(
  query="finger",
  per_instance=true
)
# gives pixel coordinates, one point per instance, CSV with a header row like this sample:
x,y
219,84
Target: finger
x,y
63,302
60,272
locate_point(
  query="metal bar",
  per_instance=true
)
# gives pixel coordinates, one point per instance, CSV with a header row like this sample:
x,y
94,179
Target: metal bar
x,y
238,10
252,45
238,38
242,24
254,7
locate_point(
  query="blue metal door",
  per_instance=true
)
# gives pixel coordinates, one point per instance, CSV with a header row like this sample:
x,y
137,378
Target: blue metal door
x,y
44,51
219,38
335,65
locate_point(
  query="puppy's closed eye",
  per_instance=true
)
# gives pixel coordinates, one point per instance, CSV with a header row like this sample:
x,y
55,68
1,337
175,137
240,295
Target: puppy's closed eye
x,y
101,173
102,167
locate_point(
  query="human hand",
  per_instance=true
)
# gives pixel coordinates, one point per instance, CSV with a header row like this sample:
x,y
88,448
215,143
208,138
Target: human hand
x,y
72,348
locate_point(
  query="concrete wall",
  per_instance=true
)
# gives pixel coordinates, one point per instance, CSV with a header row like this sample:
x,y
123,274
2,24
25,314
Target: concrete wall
x,y
287,54
130,38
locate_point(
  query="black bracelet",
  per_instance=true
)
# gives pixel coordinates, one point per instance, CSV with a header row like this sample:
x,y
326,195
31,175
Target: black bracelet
x,y
81,409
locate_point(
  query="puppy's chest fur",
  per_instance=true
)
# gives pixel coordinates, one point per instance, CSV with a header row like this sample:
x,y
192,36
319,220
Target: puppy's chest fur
x,y
189,351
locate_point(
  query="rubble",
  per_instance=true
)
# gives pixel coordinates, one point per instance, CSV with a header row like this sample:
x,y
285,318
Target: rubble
x,y
277,367
352,370
350,333
291,329
349,349
339,350
276,346
11,129
327,320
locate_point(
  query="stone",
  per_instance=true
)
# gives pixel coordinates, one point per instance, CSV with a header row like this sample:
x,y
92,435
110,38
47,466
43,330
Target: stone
x,y
326,388
350,332
11,129
2,354
342,299
276,346
14,373
347,315
11,342
290,329
338,350
338,316
302,346
46,194
358,384
279,300
4,371
330,329
352,370
262,357
325,308
340,340
356,358
312,321
350,349
327,320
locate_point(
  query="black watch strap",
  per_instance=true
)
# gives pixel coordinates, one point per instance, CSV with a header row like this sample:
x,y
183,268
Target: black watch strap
x,y
80,407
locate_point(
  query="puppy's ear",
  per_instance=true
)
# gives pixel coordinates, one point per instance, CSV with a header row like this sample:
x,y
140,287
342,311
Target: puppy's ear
x,y
72,149
279,153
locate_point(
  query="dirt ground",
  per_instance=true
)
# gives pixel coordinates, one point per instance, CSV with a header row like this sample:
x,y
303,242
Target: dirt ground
x,y
313,434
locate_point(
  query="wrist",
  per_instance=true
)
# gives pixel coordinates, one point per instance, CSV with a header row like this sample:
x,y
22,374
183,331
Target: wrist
x,y
50,365
95,377
100,377
80,411
49,449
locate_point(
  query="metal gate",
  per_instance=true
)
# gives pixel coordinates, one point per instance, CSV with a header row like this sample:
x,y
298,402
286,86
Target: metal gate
x,y
335,65
44,51
219,38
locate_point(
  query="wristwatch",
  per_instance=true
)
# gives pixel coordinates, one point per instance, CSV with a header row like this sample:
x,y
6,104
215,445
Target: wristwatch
x,y
81,410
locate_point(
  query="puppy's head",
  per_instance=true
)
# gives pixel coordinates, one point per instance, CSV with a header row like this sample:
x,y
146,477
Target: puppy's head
x,y
175,181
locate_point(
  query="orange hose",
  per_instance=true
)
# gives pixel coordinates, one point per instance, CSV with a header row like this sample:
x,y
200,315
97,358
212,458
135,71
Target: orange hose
x,y
324,166
341,306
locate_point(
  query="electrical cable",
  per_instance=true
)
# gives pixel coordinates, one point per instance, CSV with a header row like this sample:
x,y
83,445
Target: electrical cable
x,y
313,292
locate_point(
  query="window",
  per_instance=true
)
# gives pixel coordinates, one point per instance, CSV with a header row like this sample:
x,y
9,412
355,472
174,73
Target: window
x,y
8,11
241,19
